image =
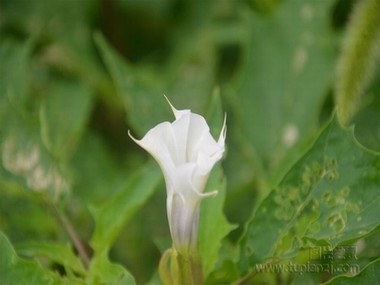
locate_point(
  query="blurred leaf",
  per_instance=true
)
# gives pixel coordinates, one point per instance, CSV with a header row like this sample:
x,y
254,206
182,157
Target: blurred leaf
x,y
369,275
302,279
288,69
63,116
24,155
15,59
264,6
367,119
59,254
213,225
359,58
16,204
188,78
190,73
97,173
142,98
329,196
14,270
102,271
111,217
215,114
22,151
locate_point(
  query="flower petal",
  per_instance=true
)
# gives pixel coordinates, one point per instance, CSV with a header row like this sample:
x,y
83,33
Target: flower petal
x,y
223,132
155,138
160,143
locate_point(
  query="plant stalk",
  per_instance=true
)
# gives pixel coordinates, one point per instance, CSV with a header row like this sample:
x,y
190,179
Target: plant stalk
x,y
66,224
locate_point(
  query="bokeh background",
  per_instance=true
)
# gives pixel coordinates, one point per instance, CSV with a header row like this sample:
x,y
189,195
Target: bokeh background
x,y
76,75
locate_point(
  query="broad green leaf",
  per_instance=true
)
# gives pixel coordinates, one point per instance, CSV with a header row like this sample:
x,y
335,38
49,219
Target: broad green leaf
x,y
368,275
331,195
23,214
59,254
215,113
97,171
24,155
288,69
102,271
63,115
22,151
14,270
142,98
302,279
111,217
15,60
213,225
189,75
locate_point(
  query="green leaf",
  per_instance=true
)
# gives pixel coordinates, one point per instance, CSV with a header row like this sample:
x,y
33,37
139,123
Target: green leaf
x,y
331,195
94,156
213,225
59,254
14,270
24,155
215,114
16,204
103,271
14,59
279,96
22,151
111,217
264,6
63,115
369,275
367,121
142,98
190,75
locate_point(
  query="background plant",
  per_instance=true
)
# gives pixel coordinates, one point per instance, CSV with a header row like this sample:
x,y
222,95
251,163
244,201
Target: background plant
x,y
80,203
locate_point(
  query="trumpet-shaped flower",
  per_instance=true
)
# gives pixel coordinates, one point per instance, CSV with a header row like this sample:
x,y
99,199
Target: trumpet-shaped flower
x,y
186,152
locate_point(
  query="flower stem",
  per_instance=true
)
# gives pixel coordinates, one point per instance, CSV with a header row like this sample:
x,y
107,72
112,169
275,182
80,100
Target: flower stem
x,y
186,269
66,224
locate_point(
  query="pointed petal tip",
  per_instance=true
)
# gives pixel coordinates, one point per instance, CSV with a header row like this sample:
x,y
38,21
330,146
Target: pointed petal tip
x,y
132,137
167,100
223,131
177,113
174,110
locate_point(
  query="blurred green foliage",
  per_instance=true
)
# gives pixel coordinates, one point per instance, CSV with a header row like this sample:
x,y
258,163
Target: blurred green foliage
x,y
76,75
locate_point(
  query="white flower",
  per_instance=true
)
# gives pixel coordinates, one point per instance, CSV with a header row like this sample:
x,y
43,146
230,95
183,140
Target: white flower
x,y
186,153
